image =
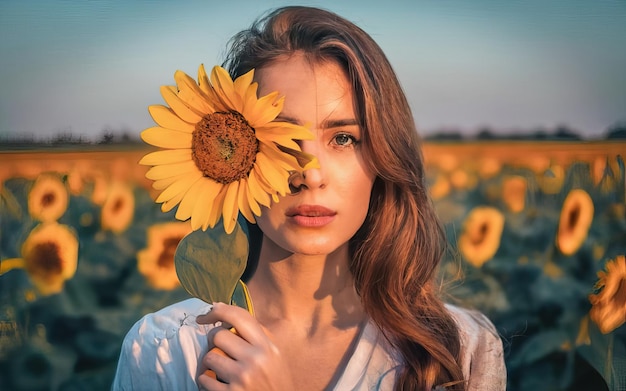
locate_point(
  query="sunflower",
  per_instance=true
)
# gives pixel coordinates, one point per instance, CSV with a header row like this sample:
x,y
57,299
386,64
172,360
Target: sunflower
x,y
223,151
47,198
49,256
552,179
481,234
574,222
156,261
118,208
608,309
440,187
514,193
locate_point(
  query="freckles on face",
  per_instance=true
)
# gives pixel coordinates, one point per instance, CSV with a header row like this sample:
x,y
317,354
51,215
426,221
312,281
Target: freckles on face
x,y
333,199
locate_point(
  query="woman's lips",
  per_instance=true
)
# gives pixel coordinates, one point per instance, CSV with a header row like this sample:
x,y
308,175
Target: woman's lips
x,y
311,215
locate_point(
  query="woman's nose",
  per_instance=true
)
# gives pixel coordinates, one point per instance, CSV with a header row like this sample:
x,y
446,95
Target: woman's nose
x,y
312,178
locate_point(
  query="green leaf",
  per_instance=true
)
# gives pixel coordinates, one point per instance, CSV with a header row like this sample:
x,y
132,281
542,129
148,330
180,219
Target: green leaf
x,y
210,263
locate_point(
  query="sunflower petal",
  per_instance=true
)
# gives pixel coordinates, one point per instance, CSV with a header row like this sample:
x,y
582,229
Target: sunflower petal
x,y
206,87
252,202
202,210
225,89
162,184
169,170
191,94
181,186
264,111
230,211
169,205
242,201
167,156
166,118
216,212
188,202
180,107
257,190
166,138
272,175
242,83
279,129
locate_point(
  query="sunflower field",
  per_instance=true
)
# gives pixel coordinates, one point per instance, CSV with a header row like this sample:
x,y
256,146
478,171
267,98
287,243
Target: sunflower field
x,y
537,238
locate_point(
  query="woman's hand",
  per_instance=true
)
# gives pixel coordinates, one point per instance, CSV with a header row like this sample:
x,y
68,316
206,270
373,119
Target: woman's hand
x,y
252,361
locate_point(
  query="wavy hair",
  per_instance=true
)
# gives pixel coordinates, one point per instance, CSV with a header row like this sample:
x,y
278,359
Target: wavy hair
x,y
396,252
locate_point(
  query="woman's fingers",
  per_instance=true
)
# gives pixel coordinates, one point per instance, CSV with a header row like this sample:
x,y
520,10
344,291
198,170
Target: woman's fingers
x,y
246,325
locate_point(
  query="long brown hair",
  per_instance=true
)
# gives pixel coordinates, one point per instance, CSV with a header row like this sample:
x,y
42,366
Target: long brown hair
x,y
396,252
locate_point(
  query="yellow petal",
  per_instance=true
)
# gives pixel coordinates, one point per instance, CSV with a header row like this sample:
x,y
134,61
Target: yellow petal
x,y
180,107
225,89
191,94
283,160
166,157
190,199
282,129
169,170
252,202
218,204
202,210
242,83
305,160
230,210
169,205
207,89
275,177
243,201
166,182
257,190
166,118
264,111
166,138
180,186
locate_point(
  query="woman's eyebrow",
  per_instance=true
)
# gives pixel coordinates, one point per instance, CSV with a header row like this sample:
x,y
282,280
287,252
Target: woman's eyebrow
x,y
327,124
339,123
284,118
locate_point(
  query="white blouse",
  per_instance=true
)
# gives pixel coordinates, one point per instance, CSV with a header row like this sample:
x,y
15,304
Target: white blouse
x,y
162,351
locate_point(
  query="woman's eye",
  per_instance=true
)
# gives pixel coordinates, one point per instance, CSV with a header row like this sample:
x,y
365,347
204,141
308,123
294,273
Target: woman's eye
x,y
344,140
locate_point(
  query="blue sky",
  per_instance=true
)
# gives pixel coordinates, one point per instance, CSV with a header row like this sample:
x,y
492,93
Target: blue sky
x,y
85,66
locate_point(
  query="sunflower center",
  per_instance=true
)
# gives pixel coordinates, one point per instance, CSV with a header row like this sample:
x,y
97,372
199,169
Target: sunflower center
x,y
478,235
573,217
45,259
166,258
47,199
117,205
224,146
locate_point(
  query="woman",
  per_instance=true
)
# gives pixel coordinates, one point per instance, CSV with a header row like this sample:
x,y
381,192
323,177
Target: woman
x,y
344,284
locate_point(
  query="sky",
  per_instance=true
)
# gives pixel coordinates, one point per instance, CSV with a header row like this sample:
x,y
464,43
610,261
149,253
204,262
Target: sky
x,y
83,67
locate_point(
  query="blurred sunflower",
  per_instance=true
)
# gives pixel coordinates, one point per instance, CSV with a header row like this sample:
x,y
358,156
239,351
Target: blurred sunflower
x,y
514,193
608,309
224,153
482,231
440,187
118,208
156,261
574,221
48,198
552,179
49,255
489,167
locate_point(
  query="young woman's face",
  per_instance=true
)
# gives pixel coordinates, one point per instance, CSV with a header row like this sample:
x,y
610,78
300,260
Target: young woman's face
x,y
333,200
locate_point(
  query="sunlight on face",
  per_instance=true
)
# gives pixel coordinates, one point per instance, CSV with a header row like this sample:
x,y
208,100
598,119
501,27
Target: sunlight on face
x,y
334,199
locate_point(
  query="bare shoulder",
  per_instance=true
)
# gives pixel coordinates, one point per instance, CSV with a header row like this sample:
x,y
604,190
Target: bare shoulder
x,y
482,353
